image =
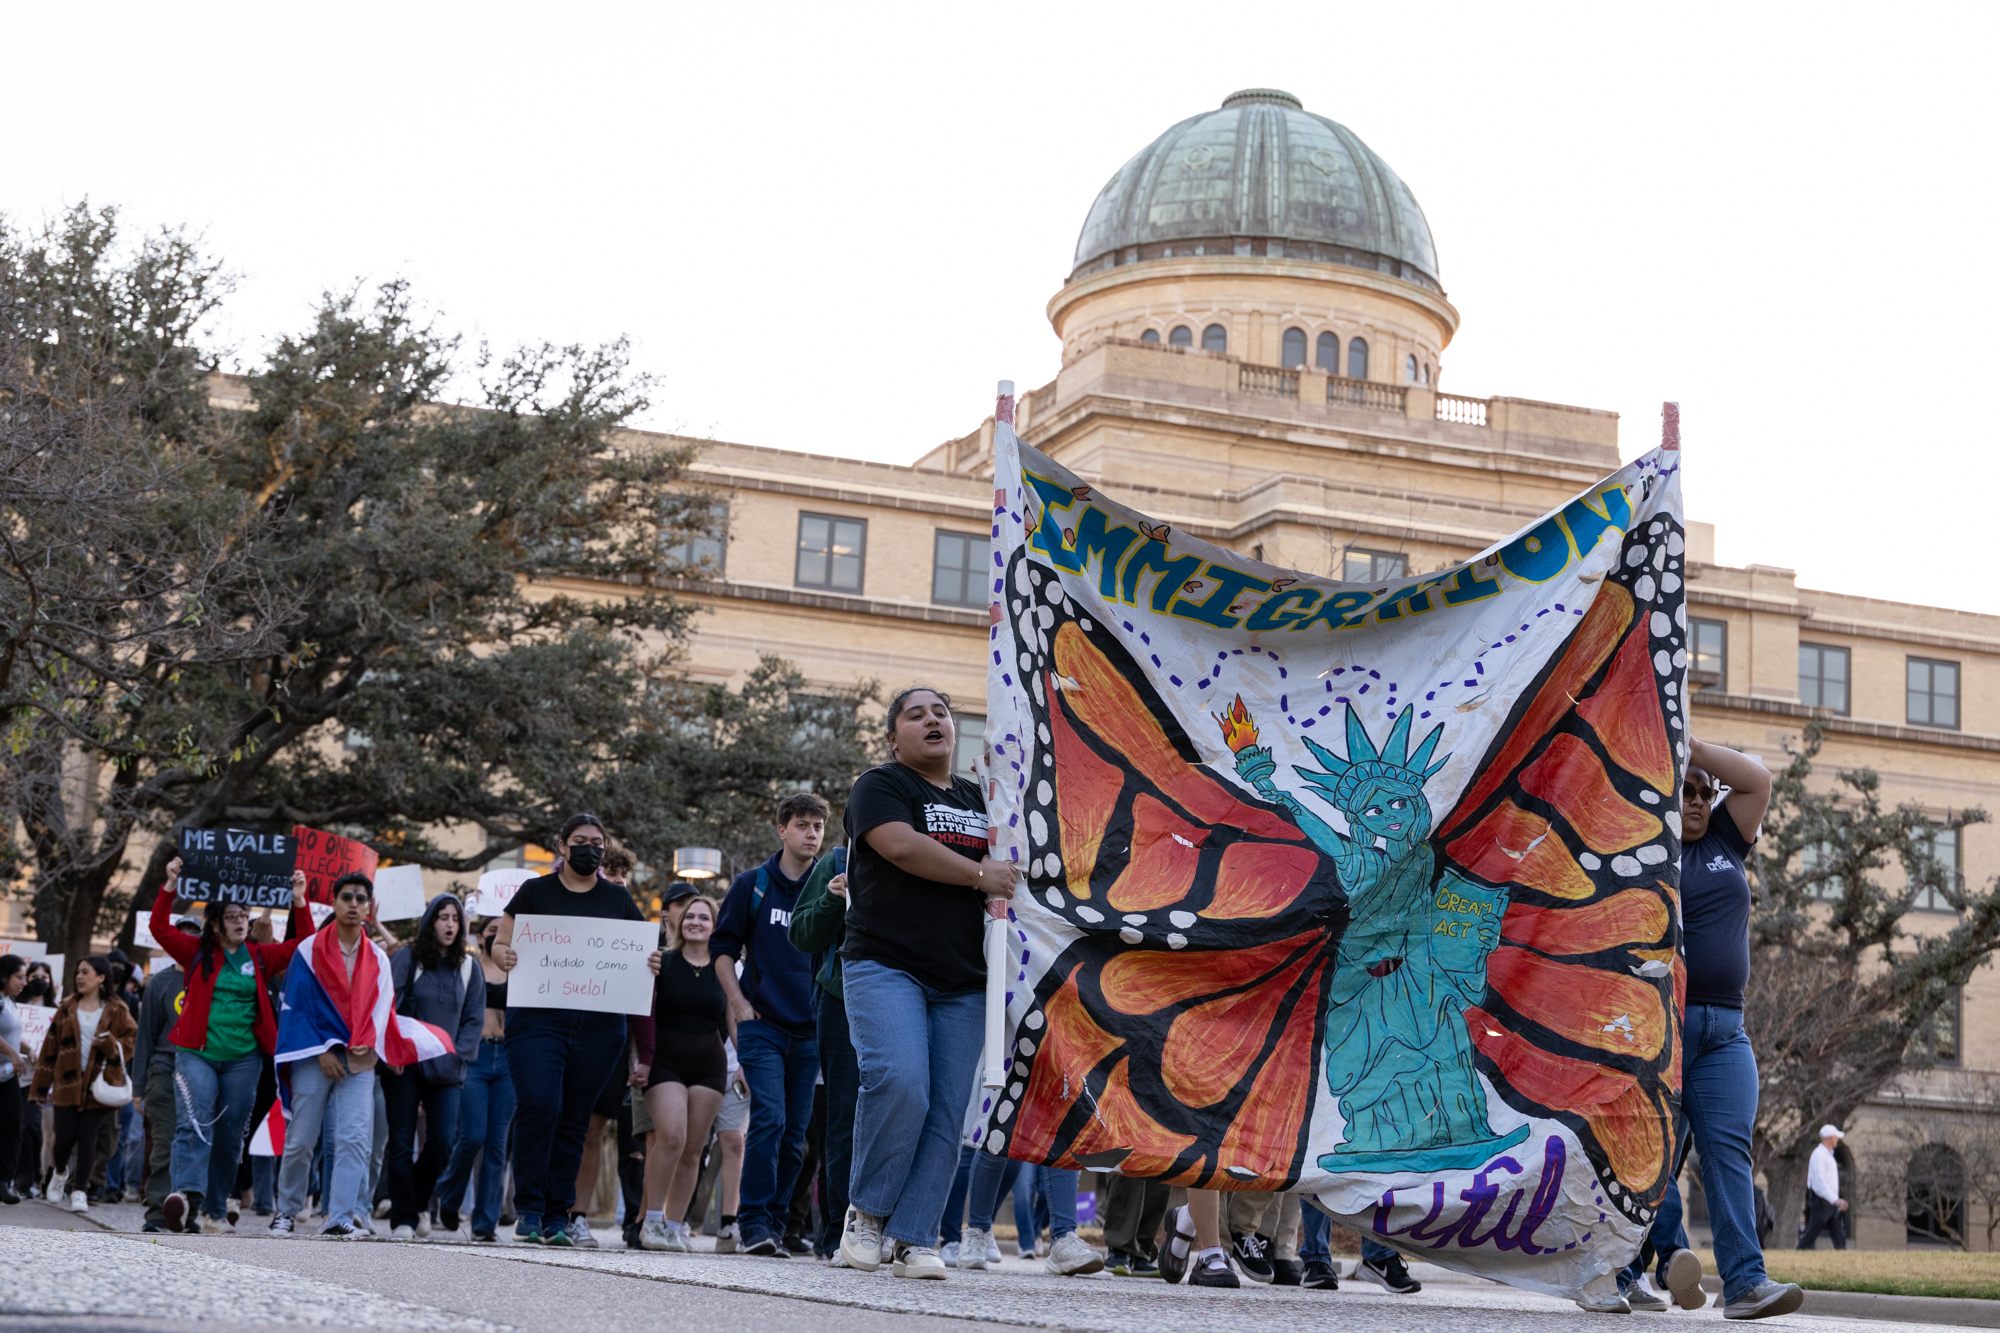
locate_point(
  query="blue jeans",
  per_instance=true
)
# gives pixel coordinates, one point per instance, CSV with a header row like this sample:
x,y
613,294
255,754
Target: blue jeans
x,y
560,1060
264,1184
412,1177
485,1111
212,1103
1058,1188
1316,1229
1719,1098
347,1111
843,1084
781,1068
918,1052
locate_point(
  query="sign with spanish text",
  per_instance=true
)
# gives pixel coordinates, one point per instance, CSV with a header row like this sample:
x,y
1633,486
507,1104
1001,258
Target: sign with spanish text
x,y
1361,890
236,866
35,1020
325,857
583,962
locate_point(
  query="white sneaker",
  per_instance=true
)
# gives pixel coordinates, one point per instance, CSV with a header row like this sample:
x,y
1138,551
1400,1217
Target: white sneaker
x,y
424,1226
382,1209
837,1260
861,1241
213,1226
79,1202
949,1254
403,1232
678,1240
729,1239
1072,1256
992,1250
653,1236
917,1261
579,1233
972,1249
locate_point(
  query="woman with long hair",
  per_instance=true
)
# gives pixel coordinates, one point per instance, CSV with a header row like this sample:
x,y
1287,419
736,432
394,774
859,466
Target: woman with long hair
x,y
90,1037
13,1069
225,1030
685,1082
913,973
437,982
485,1105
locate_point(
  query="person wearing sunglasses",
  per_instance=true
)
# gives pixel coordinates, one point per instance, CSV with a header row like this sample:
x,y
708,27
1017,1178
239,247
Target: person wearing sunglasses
x,y
225,1031
1723,799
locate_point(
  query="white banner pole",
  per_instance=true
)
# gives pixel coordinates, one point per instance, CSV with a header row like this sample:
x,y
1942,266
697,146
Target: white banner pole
x,y
996,924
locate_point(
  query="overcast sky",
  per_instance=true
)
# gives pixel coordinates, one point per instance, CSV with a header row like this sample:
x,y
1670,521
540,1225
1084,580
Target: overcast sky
x,y
832,228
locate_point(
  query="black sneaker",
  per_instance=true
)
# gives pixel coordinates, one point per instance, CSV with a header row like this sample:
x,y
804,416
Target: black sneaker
x,y
1118,1262
1253,1256
1286,1273
152,1226
1320,1277
176,1211
1144,1267
1214,1271
485,1237
795,1245
1391,1275
763,1243
339,1231
630,1231
448,1220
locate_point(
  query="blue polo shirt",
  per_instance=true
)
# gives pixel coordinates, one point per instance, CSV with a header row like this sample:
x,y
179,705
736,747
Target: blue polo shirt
x,y
1715,913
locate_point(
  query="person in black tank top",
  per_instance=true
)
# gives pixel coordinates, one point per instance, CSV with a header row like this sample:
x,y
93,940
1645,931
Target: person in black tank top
x,y
485,1107
688,1066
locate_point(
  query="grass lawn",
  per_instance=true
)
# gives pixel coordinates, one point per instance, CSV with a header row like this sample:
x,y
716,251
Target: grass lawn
x,y
1921,1272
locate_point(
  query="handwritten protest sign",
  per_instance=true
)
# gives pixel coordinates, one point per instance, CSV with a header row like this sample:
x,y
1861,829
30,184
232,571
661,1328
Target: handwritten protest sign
x,y
496,890
29,949
35,1020
142,932
325,857
235,866
583,962
399,893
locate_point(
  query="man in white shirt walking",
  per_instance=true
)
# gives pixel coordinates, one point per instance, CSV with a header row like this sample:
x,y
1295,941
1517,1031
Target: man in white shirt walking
x,y
1825,1209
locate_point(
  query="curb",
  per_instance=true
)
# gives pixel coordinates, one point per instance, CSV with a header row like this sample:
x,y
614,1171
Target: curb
x,y
1962,1311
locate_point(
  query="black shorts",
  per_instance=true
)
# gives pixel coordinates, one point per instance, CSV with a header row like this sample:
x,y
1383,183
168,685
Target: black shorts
x,y
692,1059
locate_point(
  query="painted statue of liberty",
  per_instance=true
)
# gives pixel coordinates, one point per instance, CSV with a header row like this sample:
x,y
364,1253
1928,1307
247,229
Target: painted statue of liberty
x,y
1414,954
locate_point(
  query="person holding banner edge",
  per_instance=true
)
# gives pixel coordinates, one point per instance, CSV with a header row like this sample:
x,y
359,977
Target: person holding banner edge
x,y
559,1059
913,974
225,1029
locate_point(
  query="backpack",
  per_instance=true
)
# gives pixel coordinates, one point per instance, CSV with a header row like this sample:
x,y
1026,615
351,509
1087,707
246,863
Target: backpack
x,y
750,933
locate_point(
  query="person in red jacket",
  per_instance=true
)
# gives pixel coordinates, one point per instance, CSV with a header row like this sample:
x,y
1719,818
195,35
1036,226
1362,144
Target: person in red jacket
x,y
226,1028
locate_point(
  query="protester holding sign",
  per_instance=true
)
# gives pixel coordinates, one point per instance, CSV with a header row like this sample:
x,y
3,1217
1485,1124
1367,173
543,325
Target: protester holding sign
x,y
560,1057
225,1027
86,1054
437,981
913,973
13,976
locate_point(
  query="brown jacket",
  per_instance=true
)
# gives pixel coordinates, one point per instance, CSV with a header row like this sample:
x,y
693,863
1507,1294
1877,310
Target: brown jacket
x,y
63,1074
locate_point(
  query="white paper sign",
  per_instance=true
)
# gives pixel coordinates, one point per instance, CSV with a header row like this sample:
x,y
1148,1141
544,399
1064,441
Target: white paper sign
x,y
496,889
281,924
142,931
322,913
159,963
583,962
29,949
399,893
35,1020
57,962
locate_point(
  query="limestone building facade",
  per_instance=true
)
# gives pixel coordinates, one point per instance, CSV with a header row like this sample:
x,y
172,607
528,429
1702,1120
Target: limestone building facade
x,y
1254,333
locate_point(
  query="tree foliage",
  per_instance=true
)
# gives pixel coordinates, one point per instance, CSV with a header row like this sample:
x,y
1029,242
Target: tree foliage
x,y
332,597
1839,987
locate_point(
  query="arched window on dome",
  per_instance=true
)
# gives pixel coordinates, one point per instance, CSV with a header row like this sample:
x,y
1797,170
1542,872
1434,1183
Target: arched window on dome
x,y
1182,336
1410,369
1215,338
1326,353
1150,336
1295,348
1357,359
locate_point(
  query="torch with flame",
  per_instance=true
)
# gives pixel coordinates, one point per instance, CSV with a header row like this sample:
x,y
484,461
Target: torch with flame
x,y
1239,729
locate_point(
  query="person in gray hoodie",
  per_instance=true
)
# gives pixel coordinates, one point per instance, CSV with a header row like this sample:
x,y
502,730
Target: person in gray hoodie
x,y
158,1011
437,982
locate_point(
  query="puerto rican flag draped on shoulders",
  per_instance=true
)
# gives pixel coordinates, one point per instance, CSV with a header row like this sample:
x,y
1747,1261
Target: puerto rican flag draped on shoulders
x,y
324,1008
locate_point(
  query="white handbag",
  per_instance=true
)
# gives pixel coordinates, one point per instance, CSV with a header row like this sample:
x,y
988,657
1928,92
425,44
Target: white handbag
x,y
113,1094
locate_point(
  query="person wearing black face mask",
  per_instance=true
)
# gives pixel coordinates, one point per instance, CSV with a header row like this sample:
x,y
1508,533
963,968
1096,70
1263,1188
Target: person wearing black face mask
x,y
560,1059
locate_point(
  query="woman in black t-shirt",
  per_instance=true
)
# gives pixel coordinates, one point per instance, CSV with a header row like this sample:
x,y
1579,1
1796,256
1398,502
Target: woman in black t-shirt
x,y
560,1059
914,977
684,1087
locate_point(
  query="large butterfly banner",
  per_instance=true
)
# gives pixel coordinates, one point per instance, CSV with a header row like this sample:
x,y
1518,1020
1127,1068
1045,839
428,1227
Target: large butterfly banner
x,y
1365,891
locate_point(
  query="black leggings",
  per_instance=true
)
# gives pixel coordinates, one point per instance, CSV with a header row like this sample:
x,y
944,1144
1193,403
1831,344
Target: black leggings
x,y
76,1136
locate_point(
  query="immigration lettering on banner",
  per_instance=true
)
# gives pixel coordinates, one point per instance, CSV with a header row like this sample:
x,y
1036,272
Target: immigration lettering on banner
x,y
236,866
583,962
325,857
1364,891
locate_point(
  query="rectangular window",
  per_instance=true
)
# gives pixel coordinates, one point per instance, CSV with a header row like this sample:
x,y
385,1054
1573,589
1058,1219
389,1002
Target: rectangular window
x,y
1823,677
1359,566
1811,858
1711,653
831,550
958,569
1940,1038
1945,846
700,555
1933,693
971,745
